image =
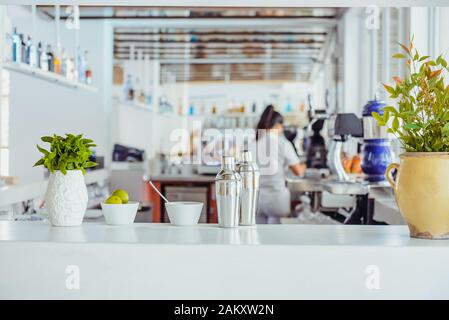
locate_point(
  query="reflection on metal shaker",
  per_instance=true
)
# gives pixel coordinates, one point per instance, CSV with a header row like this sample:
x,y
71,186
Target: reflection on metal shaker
x,y
228,185
250,174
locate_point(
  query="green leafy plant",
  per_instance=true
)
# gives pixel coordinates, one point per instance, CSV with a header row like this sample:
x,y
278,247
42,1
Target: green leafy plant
x,y
71,152
421,118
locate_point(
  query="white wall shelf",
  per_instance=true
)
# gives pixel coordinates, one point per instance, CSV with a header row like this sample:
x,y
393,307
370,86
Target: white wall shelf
x,y
46,75
134,104
142,106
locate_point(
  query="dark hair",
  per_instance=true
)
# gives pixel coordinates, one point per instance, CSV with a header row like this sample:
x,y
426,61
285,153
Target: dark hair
x,y
268,119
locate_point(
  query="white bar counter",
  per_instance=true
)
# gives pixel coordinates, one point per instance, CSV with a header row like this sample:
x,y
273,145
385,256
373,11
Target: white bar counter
x,y
160,261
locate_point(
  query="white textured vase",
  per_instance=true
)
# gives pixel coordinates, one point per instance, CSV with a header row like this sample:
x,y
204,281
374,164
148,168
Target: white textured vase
x,y
66,198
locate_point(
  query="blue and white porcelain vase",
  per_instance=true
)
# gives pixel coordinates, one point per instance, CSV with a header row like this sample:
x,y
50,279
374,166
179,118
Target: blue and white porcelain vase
x,y
377,153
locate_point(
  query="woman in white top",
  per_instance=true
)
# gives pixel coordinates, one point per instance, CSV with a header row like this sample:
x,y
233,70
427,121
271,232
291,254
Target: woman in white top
x,y
274,155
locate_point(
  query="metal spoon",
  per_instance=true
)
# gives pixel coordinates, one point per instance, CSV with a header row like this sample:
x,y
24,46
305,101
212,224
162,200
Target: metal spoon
x,y
146,179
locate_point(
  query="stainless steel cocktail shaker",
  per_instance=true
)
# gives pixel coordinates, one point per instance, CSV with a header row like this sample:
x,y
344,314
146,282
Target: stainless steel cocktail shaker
x,y
250,174
228,185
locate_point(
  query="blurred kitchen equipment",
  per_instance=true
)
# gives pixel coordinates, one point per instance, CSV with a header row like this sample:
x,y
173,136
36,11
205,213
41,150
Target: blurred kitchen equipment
x,y
314,144
124,153
316,150
250,174
341,127
228,189
377,153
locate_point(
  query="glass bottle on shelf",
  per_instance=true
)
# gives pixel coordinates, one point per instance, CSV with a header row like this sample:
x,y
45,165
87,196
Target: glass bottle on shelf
x,y
81,70
16,47
288,107
23,52
38,55
139,92
31,53
63,61
57,61
128,89
50,59
70,69
88,70
43,60
242,108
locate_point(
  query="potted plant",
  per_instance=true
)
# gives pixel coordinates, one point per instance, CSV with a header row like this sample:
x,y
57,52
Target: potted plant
x,y
66,195
421,123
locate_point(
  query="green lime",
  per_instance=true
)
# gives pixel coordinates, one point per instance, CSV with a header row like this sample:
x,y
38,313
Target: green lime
x,y
113,200
122,194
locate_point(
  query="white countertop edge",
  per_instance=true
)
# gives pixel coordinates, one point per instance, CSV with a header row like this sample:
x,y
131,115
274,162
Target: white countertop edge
x,y
152,234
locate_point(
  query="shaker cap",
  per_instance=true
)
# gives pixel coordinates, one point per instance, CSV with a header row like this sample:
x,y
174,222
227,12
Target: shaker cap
x,y
228,160
247,156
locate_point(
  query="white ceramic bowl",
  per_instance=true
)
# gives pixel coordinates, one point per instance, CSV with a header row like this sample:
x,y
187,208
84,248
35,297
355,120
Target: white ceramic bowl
x,y
120,214
184,213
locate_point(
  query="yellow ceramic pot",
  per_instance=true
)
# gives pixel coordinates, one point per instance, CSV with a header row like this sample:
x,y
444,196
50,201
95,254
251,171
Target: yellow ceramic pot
x,y
421,189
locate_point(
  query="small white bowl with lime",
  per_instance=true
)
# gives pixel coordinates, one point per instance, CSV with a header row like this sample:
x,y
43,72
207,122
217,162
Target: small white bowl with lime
x,y
118,210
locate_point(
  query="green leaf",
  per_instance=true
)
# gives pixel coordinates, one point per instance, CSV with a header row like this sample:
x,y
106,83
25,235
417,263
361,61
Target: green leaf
x,y
391,109
441,61
379,119
446,116
90,164
395,124
47,139
45,152
386,116
445,129
405,48
423,58
389,89
412,126
40,162
399,56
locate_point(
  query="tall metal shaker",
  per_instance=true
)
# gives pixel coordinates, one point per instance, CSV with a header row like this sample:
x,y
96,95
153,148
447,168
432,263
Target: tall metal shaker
x,y
228,185
249,171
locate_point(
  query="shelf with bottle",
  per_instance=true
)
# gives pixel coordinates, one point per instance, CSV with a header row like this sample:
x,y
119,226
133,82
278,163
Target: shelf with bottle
x,y
133,104
52,64
46,75
134,95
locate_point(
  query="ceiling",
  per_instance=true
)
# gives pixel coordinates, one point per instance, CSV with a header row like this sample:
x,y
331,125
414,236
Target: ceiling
x,y
210,44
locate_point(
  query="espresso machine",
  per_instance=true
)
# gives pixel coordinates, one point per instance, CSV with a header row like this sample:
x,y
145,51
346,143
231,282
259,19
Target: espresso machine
x,y
315,144
376,156
341,126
